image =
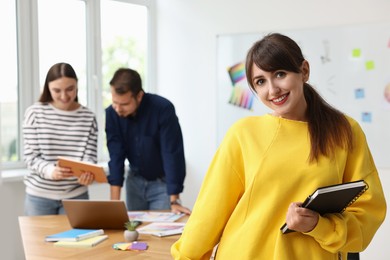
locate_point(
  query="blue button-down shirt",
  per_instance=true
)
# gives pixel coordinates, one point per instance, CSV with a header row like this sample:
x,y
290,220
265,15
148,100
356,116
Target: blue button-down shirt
x,y
151,141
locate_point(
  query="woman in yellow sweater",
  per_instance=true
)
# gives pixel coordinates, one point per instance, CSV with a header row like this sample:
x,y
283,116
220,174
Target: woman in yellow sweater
x,y
266,165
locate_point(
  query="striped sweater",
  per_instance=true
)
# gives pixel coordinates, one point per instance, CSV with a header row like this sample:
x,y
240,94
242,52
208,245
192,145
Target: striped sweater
x,y
48,133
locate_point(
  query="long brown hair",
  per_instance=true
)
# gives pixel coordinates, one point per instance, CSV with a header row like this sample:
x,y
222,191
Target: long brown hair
x,y
56,71
328,127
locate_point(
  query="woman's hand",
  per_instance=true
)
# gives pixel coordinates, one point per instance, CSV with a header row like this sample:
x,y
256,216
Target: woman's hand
x,y
86,178
60,173
301,219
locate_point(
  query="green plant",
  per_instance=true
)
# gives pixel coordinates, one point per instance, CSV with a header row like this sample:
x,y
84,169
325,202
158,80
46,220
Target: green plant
x,y
131,225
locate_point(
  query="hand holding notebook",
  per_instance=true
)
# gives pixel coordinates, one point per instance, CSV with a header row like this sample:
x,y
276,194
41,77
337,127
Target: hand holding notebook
x,y
80,167
332,199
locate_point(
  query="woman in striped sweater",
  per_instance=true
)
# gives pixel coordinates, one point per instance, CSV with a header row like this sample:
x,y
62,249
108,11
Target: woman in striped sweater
x,y
55,126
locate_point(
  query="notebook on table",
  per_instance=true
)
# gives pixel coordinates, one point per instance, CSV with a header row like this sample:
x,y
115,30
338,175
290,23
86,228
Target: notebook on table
x,y
95,214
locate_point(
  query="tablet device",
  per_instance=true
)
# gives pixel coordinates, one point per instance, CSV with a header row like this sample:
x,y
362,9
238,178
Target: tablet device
x,y
95,214
79,167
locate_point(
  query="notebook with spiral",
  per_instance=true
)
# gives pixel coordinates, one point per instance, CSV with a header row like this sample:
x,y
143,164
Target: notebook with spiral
x,y
332,199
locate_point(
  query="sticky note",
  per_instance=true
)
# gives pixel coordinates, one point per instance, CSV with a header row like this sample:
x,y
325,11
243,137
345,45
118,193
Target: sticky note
x,y
122,246
359,93
139,246
366,117
370,65
356,53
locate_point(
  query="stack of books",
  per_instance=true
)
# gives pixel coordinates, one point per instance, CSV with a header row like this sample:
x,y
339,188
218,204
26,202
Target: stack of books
x,y
77,238
162,229
162,223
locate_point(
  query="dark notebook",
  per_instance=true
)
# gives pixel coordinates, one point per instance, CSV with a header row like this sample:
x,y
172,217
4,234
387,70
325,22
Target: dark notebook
x,y
332,199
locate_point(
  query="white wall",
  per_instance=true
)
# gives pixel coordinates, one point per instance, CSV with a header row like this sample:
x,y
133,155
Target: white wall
x,y
11,203
186,65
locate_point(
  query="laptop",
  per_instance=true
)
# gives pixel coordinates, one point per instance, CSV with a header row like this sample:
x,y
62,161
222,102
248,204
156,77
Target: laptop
x,y
95,214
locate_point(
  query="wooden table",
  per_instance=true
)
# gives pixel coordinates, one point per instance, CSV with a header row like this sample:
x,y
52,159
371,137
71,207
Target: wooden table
x,y
34,229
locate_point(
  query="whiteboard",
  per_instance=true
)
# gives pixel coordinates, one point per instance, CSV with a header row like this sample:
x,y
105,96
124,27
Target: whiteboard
x,y
349,67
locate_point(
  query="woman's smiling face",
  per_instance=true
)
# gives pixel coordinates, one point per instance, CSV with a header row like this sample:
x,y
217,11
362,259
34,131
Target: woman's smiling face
x,y
282,91
64,92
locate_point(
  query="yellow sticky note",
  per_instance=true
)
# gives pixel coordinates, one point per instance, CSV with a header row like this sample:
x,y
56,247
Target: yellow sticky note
x,y
370,65
356,53
123,246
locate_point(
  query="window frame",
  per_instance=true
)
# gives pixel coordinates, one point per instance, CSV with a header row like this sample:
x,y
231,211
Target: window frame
x,y
28,63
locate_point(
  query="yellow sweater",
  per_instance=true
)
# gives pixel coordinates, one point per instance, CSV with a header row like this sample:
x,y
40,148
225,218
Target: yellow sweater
x,y
259,169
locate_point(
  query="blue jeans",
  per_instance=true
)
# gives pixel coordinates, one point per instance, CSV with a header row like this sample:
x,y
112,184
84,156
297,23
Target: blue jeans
x,y
35,206
142,194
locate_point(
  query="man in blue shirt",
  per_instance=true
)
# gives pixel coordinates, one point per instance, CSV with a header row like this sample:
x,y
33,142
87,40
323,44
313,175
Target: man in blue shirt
x,y
144,129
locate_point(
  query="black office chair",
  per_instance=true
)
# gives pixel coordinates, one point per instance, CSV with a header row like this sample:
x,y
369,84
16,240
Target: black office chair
x,y
353,256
